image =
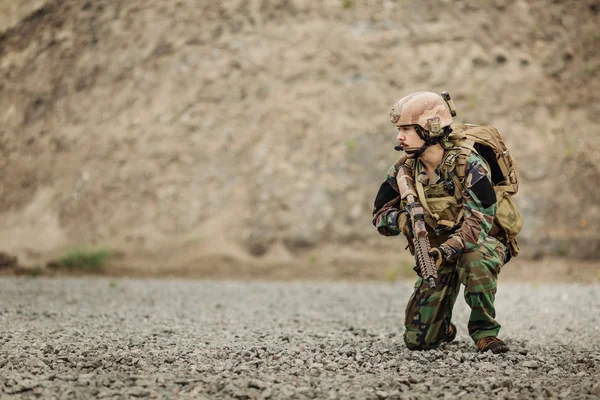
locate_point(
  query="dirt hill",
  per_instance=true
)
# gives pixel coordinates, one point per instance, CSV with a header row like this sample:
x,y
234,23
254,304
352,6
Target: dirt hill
x,y
198,135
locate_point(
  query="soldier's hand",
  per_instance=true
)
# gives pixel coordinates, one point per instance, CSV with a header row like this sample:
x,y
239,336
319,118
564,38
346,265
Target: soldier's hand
x,y
437,255
404,225
418,271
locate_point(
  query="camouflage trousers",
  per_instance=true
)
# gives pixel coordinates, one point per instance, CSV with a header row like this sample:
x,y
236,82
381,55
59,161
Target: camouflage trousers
x,y
429,311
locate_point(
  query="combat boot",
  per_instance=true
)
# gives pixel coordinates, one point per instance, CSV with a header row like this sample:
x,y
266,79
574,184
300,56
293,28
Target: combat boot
x,y
451,334
493,344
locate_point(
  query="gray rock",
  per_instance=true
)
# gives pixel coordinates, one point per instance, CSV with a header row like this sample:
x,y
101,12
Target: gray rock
x,y
531,364
236,351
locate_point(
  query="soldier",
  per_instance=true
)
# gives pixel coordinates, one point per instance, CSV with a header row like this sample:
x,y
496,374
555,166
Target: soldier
x,y
459,212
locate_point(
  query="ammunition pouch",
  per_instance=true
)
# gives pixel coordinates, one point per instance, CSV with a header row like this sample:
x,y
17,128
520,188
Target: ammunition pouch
x,y
508,222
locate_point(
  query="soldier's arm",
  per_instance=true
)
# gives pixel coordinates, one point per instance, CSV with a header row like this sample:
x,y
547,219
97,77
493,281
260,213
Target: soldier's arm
x,y
386,211
479,202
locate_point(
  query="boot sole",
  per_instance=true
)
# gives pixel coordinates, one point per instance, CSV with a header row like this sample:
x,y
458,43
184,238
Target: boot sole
x,y
500,350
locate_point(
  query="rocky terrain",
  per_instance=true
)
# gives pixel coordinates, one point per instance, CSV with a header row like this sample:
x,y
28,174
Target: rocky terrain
x,y
84,338
238,135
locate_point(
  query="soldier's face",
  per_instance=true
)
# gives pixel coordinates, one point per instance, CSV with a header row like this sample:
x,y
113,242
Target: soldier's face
x,y
409,138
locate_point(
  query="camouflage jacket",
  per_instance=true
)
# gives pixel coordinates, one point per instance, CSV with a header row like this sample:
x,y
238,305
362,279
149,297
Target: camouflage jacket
x,y
476,196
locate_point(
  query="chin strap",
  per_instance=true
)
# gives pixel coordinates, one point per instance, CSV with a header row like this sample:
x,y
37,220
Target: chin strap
x,y
416,152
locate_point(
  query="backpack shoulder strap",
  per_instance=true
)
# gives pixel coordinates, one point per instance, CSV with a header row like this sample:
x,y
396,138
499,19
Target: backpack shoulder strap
x,y
466,148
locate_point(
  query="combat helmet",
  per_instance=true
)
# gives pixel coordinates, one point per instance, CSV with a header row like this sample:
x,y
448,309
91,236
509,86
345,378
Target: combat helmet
x,y
426,109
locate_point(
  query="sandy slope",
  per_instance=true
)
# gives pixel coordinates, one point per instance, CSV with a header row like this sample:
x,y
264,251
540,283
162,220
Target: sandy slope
x,y
235,130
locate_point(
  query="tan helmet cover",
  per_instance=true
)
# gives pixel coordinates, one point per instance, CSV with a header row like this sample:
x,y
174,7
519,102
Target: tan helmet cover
x,y
426,109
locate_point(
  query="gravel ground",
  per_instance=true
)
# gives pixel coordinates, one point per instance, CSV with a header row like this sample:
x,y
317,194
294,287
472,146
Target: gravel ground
x,y
78,338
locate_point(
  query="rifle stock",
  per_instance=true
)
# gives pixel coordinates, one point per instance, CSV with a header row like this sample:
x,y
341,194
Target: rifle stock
x,y
417,219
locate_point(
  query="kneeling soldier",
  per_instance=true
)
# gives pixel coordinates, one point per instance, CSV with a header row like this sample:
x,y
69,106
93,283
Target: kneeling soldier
x,y
459,202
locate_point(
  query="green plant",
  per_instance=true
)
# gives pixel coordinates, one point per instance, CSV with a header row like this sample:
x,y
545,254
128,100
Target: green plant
x,y
36,270
569,151
348,4
351,144
112,284
391,274
562,249
84,260
532,101
405,269
193,240
348,273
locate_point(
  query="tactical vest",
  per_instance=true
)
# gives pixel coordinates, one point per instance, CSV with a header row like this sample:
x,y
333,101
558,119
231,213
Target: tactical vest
x,y
443,208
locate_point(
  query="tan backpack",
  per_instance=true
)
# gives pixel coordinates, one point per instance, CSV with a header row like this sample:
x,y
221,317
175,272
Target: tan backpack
x,y
487,142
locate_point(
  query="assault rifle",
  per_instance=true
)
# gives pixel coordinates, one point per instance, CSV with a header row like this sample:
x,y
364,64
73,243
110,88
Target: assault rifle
x,y
417,224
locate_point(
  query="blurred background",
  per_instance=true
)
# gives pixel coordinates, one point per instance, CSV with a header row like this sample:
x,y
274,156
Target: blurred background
x,y
248,138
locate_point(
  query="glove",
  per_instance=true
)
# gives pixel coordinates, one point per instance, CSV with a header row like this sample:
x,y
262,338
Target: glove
x,y
437,255
398,220
404,225
418,271
442,254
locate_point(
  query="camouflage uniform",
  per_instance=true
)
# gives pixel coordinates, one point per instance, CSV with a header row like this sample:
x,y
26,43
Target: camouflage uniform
x,y
478,255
